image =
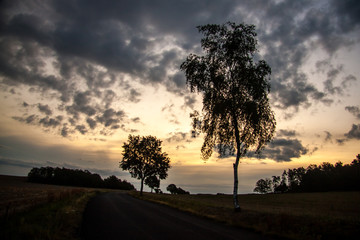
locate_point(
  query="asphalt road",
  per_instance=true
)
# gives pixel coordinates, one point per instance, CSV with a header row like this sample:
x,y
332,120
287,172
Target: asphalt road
x,y
120,216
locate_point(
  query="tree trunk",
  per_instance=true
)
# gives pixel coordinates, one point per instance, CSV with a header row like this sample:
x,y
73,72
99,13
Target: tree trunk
x,y
142,186
236,183
236,164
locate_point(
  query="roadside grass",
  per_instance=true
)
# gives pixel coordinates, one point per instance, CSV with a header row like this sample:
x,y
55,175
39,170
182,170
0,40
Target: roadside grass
x,y
60,218
329,215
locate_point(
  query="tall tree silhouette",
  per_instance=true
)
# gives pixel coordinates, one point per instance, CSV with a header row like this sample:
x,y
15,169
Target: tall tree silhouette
x,y
143,158
236,110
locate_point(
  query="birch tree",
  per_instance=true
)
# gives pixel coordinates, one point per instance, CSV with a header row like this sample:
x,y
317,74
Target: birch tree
x,y
236,114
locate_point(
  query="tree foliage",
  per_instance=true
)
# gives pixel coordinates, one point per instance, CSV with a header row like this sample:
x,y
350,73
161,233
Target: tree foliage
x,y
153,182
322,178
113,182
263,186
76,177
176,190
143,158
236,114
234,89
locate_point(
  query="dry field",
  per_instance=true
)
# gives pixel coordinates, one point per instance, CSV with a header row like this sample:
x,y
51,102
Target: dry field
x,y
16,194
328,215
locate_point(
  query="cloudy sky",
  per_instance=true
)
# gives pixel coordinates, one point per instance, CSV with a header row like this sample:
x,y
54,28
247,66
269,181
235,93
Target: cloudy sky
x,y
77,77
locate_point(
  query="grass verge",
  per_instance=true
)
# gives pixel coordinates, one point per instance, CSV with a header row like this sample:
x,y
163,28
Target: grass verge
x,y
58,219
294,216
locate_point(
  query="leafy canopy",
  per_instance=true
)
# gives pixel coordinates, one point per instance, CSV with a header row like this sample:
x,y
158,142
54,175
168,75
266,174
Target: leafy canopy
x,y
236,110
143,158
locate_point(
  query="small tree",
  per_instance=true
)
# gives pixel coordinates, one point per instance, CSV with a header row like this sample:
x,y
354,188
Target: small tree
x,y
275,183
172,188
153,182
176,190
237,114
143,158
263,186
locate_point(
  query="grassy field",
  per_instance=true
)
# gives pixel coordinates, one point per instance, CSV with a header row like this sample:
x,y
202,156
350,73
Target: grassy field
x,y
40,211
330,215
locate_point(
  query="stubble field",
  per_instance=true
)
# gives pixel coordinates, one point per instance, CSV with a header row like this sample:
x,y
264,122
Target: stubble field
x,y
40,211
17,194
328,215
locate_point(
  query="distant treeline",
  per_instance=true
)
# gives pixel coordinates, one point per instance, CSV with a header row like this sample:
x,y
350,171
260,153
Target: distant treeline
x,y
76,177
323,178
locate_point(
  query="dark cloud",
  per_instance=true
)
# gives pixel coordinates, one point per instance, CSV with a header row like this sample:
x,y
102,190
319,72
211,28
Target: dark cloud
x,y
331,76
178,137
294,29
354,110
286,133
347,12
94,46
134,96
135,120
18,163
109,97
189,101
348,81
81,104
49,122
81,129
341,141
284,150
354,132
284,147
29,119
110,116
44,109
328,137
91,122
66,131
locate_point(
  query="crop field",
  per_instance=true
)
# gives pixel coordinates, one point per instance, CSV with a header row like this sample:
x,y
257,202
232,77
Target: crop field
x,y
328,215
16,194
40,211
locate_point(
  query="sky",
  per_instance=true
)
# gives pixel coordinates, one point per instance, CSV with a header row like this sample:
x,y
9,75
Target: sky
x,y
78,77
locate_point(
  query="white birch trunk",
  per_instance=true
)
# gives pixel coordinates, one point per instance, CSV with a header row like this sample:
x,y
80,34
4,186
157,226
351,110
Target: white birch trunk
x,y
236,184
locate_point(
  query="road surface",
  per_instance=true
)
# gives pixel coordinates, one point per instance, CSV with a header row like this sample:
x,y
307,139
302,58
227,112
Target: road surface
x,y
120,216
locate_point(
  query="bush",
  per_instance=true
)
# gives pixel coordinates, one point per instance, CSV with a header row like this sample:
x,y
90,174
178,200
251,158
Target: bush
x,y
175,190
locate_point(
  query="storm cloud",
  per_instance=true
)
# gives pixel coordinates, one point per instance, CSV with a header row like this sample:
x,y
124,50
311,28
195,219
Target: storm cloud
x,y
78,52
283,148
